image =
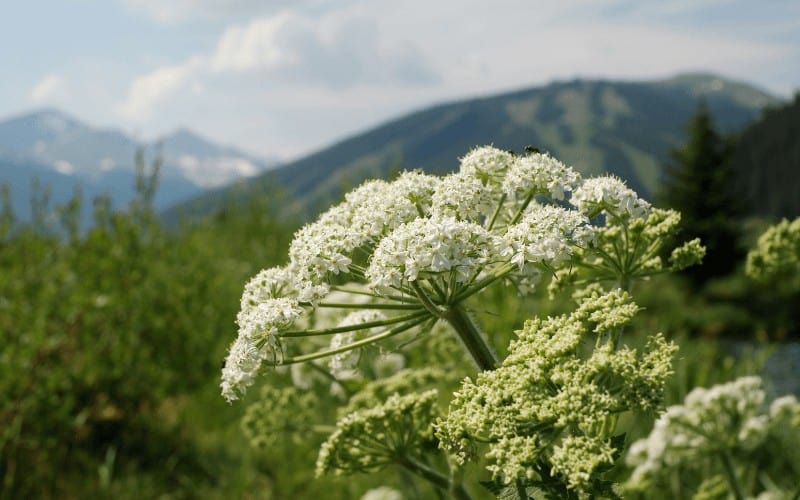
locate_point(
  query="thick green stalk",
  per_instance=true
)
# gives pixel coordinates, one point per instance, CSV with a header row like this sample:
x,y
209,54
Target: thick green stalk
x,y
730,474
435,477
471,338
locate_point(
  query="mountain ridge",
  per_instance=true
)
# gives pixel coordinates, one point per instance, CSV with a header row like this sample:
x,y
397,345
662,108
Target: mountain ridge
x,y
623,127
63,151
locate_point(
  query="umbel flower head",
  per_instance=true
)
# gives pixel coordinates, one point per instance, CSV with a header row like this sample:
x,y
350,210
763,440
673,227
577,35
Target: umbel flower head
x,y
713,431
776,257
416,248
545,409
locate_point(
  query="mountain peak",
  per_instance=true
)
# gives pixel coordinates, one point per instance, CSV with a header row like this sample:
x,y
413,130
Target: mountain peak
x,y
709,85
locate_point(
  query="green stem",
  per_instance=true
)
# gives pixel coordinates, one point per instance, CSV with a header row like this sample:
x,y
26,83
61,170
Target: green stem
x,y
471,338
522,208
354,345
522,493
730,474
351,328
434,476
496,212
426,300
399,298
477,286
350,305
328,375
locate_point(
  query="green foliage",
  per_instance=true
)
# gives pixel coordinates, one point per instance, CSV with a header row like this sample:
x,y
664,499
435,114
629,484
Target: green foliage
x,y
765,162
105,331
776,258
701,185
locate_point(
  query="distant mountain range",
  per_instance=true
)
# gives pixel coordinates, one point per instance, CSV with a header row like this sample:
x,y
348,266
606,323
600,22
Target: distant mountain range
x,y
626,128
64,152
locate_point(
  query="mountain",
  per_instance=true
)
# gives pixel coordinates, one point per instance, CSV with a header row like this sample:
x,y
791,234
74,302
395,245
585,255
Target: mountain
x,y
767,162
62,152
626,128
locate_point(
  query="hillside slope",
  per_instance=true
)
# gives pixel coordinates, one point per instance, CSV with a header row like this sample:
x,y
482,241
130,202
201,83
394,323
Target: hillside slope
x,y
626,128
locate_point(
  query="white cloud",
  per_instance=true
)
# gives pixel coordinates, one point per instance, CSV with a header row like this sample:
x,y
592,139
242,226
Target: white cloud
x,y
336,51
215,171
288,81
107,164
63,167
48,88
149,90
262,44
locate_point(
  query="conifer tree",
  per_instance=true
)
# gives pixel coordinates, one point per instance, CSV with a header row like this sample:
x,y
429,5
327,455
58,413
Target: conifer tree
x,y
700,183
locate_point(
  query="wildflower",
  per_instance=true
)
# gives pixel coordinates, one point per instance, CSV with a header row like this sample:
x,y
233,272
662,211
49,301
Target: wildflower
x,y
539,174
713,428
610,195
259,325
427,248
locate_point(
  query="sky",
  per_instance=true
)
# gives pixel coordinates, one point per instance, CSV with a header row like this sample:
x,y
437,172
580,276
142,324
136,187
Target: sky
x,y
281,78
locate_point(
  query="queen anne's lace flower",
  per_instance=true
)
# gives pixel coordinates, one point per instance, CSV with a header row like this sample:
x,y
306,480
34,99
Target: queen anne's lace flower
x,y
267,284
487,163
539,174
724,420
431,247
368,439
464,197
608,194
546,235
257,341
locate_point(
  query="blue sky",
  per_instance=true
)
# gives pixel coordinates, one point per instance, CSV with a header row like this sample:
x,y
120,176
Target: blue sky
x,y
280,77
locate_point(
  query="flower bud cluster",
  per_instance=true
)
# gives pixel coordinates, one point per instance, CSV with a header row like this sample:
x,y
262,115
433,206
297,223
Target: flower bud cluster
x,y
776,257
370,439
546,407
279,413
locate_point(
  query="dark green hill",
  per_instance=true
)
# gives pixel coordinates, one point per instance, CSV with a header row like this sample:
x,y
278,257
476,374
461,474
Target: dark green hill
x,y
626,128
767,162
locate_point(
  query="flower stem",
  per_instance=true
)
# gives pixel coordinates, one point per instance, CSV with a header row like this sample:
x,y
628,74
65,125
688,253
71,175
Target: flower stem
x,y
435,477
730,474
359,343
352,328
471,338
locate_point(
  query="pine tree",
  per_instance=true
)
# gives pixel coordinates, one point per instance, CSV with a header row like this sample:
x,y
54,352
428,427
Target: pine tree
x,y
701,184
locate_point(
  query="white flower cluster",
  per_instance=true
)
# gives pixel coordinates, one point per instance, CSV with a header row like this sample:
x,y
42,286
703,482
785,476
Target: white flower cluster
x,y
463,196
324,247
540,174
608,194
257,341
487,163
546,234
727,419
428,247
500,217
